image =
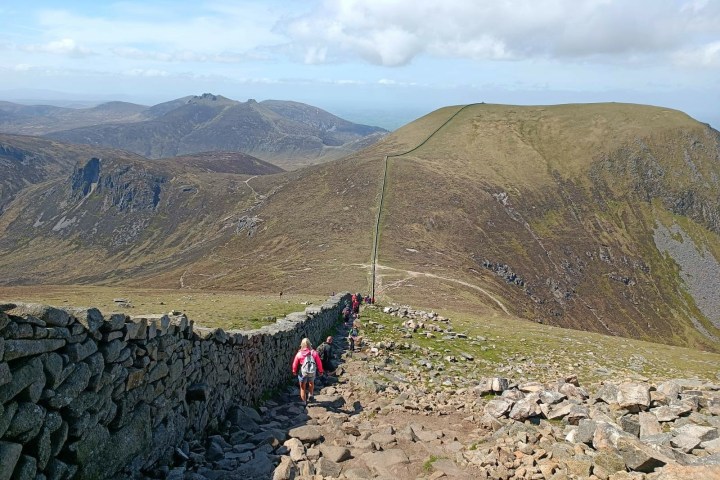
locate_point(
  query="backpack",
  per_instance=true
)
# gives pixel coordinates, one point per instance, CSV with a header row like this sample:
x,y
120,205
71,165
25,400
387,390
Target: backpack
x,y
308,367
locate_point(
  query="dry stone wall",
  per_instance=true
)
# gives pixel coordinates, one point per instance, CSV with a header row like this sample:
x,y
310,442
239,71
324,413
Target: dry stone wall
x,y
83,395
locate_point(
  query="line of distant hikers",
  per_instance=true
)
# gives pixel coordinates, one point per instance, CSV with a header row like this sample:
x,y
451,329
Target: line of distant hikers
x,y
309,363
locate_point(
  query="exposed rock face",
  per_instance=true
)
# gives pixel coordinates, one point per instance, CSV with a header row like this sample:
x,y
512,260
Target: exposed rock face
x,y
87,396
122,187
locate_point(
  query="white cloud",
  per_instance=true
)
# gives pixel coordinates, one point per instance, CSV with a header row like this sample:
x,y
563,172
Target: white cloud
x,y
705,56
139,72
393,32
22,67
200,33
65,46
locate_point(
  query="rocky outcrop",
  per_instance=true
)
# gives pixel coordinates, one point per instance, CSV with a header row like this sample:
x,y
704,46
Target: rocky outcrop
x,y
87,395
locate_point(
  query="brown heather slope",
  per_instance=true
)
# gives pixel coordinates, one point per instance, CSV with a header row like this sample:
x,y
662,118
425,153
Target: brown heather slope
x,y
595,217
553,210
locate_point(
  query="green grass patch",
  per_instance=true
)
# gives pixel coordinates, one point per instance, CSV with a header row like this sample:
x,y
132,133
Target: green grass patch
x,y
227,310
428,464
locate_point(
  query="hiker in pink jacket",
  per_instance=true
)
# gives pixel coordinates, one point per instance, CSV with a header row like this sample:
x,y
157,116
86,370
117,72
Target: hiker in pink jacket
x,y
306,365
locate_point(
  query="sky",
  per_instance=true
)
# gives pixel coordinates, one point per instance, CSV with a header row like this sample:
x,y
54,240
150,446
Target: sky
x,y
378,61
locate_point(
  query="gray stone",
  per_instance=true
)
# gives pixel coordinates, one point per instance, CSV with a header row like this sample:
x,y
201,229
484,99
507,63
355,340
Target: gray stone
x,y
551,397
607,463
499,384
607,393
498,407
26,468
26,423
259,467
684,442
670,389
703,434
9,456
111,351
50,315
24,348
630,424
381,462
640,457
577,413
633,396
5,375
58,439
284,471
327,468
102,454
214,451
90,318
42,448
116,321
75,383
664,414
7,413
649,424
525,408
358,473
606,436
711,446
57,470
78,352
335,454
560,411
658,439
586,431
306,434
53,367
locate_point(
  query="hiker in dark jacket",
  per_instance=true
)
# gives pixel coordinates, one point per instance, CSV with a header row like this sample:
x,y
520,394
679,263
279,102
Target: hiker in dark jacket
x,y
325,351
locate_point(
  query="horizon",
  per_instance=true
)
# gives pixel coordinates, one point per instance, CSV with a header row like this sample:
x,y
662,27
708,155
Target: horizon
x,y
365,60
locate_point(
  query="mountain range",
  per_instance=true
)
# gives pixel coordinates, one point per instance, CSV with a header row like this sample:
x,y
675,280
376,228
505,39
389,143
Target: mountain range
x,y
600,217
288,134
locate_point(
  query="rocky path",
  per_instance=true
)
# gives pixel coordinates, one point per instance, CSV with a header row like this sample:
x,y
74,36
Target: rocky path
x,y
380,417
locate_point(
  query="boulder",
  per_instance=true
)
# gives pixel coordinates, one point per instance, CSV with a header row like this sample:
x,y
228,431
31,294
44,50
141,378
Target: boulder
x,y
633,396
685,443
703,434
9,456
649,424
306,434
498,407
335,454
640,457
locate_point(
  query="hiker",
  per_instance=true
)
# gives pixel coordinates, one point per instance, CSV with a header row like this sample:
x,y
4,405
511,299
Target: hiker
x,y
308,362
325,351
346,316
355,305
354,336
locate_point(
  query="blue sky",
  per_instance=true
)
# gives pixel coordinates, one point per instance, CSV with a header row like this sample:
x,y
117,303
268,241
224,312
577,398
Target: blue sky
x,y
388,60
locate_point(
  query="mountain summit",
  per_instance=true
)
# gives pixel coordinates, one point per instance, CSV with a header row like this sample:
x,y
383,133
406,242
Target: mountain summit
x,y
288,134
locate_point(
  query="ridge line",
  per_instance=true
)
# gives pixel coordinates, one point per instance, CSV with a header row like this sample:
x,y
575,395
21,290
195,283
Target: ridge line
x,y
376,237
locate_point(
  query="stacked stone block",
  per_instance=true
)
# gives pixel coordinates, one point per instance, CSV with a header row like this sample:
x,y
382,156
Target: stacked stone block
x,y
83,395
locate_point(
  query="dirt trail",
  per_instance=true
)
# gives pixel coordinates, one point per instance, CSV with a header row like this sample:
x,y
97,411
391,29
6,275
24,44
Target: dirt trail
x,y
412,274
